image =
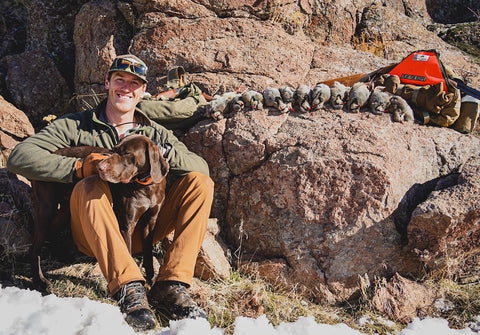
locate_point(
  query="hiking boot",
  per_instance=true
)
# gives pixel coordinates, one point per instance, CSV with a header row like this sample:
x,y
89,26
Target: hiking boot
x,y
172,301
132,300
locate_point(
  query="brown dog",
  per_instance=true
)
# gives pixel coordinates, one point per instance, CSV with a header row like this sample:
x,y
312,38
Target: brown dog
x,y
138,190
136,172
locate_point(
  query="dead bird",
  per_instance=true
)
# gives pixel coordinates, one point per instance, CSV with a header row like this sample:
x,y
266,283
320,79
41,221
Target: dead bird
x,y
379,101
235,104
215,108
400,110
253,99
219,105
286,93
273,98
320,94
358,96
302,99
338,95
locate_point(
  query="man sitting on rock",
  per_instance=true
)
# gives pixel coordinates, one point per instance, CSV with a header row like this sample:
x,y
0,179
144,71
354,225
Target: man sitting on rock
x,y
94,226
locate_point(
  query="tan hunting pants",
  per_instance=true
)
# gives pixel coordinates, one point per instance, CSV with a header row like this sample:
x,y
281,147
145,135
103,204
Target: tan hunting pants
x,y
96,233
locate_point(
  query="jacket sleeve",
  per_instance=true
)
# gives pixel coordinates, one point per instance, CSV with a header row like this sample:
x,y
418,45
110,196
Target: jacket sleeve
x,y
180,113
34,157
180,158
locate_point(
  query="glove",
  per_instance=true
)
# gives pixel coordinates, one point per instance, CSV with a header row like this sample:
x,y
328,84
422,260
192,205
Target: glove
x,y
391,83
443,108
468,115
88,166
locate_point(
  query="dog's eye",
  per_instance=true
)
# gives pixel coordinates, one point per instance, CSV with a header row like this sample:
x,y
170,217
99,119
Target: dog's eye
x,y
130,158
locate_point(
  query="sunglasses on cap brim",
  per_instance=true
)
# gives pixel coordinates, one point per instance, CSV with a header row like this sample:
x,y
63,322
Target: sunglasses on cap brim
x,y
122,64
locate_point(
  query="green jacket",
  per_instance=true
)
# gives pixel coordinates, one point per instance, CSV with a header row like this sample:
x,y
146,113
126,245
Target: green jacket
x,y
34,158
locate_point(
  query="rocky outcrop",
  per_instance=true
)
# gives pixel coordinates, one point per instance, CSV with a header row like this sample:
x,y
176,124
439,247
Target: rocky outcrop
x,y
443,230
320,191
32,90
403,299
103,34
14,126
311,201
236,50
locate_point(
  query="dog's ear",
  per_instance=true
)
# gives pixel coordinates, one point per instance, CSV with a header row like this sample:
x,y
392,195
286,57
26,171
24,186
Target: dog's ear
x,y
158,165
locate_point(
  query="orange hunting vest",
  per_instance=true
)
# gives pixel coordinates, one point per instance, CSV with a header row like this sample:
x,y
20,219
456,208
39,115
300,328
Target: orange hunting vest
x,y
421,68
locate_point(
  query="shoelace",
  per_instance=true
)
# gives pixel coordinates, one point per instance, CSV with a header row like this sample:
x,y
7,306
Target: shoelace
x,y
134,298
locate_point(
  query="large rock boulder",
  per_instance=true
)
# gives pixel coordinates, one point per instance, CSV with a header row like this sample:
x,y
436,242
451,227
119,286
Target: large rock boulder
x,y
443,230
223,52
98,38
318,194
50,28
35,85
14,126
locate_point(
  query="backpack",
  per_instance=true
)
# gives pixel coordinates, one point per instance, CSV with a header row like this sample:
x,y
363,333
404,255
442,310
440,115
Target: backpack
x,y
428,87
423,67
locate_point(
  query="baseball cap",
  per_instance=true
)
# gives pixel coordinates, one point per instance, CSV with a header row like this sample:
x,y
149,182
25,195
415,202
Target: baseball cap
x,y
130,64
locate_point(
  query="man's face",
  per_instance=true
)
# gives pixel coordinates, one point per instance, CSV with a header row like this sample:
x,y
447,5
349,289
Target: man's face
x,y
124,91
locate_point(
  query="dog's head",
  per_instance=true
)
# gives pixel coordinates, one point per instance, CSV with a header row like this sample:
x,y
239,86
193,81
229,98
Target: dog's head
x,y
134,156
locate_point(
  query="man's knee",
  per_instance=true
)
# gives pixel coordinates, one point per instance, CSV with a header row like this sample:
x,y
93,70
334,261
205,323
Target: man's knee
x,y
201,182
90,188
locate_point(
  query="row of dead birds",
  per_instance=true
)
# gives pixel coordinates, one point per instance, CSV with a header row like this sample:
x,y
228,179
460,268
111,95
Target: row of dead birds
x,y
304,99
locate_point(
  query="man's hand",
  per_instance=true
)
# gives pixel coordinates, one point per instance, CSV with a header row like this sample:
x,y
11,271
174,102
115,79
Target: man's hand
x,y
88,166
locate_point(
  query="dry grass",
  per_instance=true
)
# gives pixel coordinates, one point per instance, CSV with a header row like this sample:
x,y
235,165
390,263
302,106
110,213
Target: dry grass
x,y
460,303
374,45
458,285
88,100
242,295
